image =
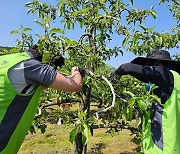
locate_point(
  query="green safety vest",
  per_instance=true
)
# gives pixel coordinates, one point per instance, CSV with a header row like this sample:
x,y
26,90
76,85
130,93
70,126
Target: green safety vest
x,y
17,110
167,139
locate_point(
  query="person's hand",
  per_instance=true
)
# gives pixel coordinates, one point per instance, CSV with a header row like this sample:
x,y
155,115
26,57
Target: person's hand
x,y
112,74
74,70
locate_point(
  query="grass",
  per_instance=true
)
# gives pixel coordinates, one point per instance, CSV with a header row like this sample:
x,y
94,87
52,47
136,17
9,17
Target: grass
x,y
56,141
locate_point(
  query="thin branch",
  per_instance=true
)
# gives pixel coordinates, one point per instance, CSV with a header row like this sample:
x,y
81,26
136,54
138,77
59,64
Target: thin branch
x,y
49,103
121,98
176,2
83,36
124,10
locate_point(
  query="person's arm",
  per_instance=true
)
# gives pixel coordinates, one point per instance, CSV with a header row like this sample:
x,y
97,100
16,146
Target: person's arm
x,y
37,73
71,83
158,75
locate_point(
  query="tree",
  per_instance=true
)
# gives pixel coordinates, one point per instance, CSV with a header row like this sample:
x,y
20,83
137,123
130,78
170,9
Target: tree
x,y
99,20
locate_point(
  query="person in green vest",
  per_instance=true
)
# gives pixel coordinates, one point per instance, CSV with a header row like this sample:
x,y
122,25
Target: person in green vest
x,y
22,78
161,135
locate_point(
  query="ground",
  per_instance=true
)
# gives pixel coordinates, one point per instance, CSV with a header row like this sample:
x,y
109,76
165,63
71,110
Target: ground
x,y
56,141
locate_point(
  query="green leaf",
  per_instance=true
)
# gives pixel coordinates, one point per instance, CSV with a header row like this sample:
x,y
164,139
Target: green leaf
x,y
27,29
83,114
125,41
39,23
39,36
160,41
124,118
129,93
43,128
46,57
75,13
71,42
86,132
131,2
156,98
144,28
47,20
84,139
153,13
15,32
153,37
57,30
68,24
132,101
28,4
73,134
142,104
130,113
40,47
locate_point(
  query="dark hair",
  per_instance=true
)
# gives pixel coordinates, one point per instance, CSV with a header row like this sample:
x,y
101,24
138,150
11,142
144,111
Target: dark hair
x,y
35,52
37,55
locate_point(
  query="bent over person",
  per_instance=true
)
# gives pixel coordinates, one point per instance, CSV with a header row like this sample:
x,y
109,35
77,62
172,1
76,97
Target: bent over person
x,y
161,135
22,77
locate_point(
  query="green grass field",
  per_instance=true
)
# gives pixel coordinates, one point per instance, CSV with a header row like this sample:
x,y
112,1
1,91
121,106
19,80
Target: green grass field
x,y
56,141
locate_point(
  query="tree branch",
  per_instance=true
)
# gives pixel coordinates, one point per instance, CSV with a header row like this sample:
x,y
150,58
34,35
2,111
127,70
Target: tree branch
x,y
124,10
176,2
83,36
121,98
49,103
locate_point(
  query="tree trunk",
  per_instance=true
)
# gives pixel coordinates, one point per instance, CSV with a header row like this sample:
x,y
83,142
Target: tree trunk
x,y
78,144
85,105
85,149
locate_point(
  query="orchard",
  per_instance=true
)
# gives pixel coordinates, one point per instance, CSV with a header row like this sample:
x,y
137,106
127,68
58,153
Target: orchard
x,y
120,99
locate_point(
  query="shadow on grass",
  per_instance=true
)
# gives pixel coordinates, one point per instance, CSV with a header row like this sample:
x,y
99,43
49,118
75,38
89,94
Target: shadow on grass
x,y
97,148
127,153
135,151
137,141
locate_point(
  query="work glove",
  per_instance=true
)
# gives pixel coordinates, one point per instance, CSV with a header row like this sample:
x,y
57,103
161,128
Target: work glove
x,y
82,71
148,86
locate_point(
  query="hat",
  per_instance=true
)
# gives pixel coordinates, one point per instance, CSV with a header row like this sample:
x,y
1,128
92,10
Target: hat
x,y
160,55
